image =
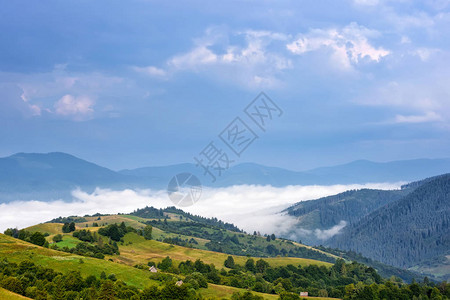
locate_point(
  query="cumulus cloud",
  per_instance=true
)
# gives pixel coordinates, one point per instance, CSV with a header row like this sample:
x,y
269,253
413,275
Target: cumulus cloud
x,y
259,58
80,108
64,93
251,61
349,45
252,208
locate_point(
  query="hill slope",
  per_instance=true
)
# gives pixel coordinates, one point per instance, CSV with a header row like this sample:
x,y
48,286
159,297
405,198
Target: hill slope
x,y
17,251
406,232
179,245
200,233
344,208
7,295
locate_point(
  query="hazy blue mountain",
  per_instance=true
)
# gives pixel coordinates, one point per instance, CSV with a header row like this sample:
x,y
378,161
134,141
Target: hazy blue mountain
x,y
368,171
38,176
53,175
354,172
408,232
245,173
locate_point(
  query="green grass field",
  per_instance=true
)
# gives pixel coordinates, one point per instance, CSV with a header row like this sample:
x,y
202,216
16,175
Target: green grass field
x,y
221,291
50,228
16,251
158,234
142,251
137,250
7,295
68,241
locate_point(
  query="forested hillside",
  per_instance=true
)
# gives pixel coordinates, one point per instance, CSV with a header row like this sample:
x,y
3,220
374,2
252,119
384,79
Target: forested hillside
x,y
69,269
406,232
349,206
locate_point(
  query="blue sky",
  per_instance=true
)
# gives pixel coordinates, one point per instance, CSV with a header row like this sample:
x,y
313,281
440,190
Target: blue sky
x,y
153,82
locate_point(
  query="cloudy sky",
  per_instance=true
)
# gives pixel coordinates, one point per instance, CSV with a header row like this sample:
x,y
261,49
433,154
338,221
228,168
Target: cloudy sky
x,y
153,82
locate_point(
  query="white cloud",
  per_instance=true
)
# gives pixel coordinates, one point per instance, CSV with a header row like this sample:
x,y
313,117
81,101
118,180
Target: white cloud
x,y
40,91
401,94
80,108
422,100
425,53
405,40
252,208
197,57
349,45
249,63
151,71
34,108
328,233
428,117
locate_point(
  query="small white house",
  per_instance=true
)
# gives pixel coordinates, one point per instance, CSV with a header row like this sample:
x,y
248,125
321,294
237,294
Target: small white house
x,y
303,294
153,269
179,282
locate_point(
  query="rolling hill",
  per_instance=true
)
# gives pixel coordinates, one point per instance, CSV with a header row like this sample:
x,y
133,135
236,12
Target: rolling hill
x,y
213,260
136,251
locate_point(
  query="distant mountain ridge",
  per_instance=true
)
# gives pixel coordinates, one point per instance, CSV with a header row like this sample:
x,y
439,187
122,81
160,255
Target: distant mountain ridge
x,y
361,171
52,175
349,206
48,176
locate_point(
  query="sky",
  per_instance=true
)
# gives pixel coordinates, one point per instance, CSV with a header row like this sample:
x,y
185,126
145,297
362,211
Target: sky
x,y
145,83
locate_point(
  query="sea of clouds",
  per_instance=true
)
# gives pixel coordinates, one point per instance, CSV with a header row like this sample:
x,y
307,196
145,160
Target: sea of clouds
x,y
250,207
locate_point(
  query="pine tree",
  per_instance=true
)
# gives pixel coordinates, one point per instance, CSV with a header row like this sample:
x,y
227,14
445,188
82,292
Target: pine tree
x,y
59,292
107,291
148,232
71,227
229,262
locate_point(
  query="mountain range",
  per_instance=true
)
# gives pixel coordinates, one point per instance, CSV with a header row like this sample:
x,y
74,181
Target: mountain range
x,y
407,228
48,176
